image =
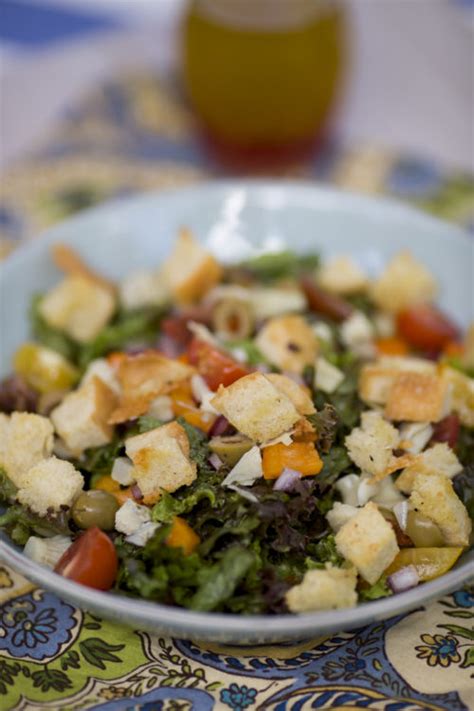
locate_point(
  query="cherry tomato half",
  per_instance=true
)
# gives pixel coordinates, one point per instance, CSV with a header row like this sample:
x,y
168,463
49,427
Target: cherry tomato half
x,y
424,326
91,560
215,367
324,303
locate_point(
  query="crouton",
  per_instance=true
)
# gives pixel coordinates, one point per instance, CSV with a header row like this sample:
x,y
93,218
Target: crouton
x,y
101,368
434,497
288,342
340,514
79,307
369,542
161,461
327,589
439,459
142,288
190,271
370,445
326,376
26,440
417,397
461,394
376,379
81,420
256,407
143,378
298,394
70,262
50,484
341,275
404,282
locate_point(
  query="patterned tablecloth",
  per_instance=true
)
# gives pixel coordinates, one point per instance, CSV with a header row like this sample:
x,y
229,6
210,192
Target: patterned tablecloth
x,y
136,135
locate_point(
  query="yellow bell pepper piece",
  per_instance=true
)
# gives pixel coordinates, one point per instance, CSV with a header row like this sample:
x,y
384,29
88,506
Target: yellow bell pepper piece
x,y
430,563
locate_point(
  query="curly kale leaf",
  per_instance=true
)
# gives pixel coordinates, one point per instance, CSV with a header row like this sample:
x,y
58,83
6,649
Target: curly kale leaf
x,y
49,336
20,523
7,488
222,579
376,591
325,423
279,265
464,487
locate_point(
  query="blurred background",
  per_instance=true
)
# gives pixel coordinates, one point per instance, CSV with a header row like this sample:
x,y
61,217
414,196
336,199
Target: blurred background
x,y
103,98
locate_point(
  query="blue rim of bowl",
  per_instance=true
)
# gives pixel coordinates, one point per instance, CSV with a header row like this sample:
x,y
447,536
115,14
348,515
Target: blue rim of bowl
x,y
214,625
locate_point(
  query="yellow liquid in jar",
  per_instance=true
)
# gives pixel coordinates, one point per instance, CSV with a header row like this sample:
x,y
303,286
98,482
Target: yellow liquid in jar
x,y
255,87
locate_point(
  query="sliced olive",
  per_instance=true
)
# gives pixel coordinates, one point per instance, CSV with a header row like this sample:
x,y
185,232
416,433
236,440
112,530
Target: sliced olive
x,y
230,449
95,508
233,319
423,532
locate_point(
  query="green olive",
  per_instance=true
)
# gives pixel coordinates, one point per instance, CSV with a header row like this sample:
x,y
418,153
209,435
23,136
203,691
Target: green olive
x,y
423,532
95,508
230,449
233,319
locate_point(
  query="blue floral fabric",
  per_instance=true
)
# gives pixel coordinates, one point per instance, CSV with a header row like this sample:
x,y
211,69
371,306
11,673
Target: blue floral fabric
x,y
133,135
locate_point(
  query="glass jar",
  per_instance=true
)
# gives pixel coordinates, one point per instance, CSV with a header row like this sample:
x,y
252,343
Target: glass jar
x,y
263,75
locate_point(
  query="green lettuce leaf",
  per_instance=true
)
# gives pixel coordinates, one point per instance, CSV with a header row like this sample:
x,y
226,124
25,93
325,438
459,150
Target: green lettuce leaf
x,y
376,591
222,579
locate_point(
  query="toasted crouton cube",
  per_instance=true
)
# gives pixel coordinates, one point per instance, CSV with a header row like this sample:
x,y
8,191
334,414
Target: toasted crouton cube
x,y
328,589
414,436
468,356
298,394
369,542
256,407
370,446
439,459
50,484
461,394
26,440
78,306
288,342
340,514
433,495
81,420
341,275
417,397
161,460
403,283
190,271
376,379
143,378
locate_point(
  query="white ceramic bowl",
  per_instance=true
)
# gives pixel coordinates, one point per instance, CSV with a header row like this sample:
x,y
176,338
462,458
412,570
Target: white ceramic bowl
x,y
236,219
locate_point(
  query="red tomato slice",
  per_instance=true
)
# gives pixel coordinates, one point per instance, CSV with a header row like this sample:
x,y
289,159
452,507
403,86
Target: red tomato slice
x,y
424,326
324,303
215,367
91,560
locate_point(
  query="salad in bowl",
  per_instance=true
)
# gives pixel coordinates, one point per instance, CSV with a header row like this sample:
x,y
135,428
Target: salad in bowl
x,y
281,435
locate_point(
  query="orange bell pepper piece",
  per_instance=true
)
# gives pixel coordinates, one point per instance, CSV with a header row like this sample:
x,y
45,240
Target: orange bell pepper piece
x,y
301,456
182,536
115,359
184,405
392,346
106,483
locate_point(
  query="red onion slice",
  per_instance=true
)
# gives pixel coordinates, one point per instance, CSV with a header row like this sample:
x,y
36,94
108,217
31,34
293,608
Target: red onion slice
x,y
287,480
403,579
136,492
215,461
220,425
